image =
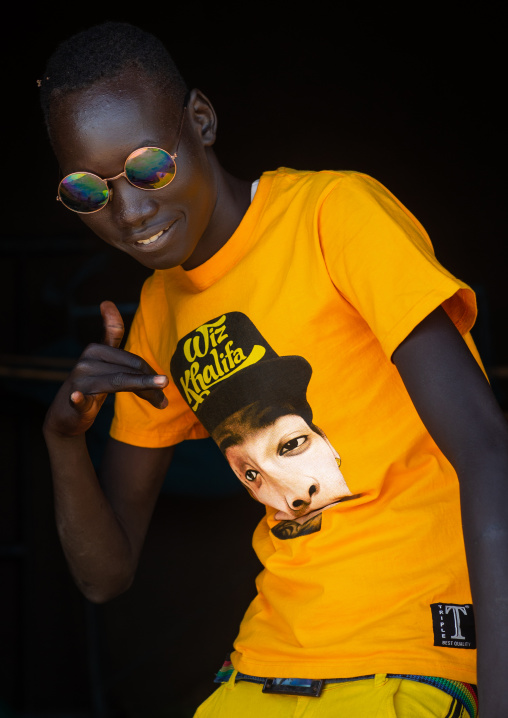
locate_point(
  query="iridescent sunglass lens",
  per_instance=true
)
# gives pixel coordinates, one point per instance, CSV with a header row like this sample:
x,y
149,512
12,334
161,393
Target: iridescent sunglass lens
x,y
150,168
83,192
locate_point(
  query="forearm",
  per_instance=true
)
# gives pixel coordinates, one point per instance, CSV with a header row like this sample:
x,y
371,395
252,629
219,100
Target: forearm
x,y
97,548
485,518
460,412
102,532
489,590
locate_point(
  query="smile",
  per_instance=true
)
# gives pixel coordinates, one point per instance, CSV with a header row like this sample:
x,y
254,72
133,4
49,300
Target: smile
x,y
151,239
156,240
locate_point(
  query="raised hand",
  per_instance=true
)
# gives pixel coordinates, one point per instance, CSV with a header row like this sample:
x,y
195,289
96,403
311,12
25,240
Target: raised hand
x,y
102,369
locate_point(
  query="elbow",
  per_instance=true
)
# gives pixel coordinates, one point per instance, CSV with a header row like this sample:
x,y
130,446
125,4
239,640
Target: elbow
x,y
481,462
105,591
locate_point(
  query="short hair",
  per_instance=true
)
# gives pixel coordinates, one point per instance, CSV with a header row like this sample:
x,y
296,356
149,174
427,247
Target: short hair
x,y
236,428
102,52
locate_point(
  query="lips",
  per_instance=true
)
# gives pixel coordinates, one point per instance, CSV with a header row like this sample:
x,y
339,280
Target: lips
x,y
151,239
305,513
154,241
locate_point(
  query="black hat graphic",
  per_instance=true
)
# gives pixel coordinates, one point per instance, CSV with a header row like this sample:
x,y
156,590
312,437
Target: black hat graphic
x,y
226,364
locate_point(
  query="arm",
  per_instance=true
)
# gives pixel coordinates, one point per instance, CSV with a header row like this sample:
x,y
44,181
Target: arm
x,y
456,404
102,526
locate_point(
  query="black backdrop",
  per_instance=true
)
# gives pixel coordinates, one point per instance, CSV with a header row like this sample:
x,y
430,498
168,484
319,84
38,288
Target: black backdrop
x,y
413,99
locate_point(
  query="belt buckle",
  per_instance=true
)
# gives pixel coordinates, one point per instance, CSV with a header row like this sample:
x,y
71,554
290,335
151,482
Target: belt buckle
x,y
294,686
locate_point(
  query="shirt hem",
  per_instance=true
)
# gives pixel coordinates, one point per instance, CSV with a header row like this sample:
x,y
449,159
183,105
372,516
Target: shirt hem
x,y
316,670
154,440
431,301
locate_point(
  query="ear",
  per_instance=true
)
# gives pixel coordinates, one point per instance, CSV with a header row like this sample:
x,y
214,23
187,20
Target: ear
x,y
202,117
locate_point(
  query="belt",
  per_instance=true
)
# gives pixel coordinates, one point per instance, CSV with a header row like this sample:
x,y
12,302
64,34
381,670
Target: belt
x,y
465,693
296,686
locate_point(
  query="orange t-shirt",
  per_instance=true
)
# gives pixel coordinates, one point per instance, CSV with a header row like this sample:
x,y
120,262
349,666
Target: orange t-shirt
x,y
289,327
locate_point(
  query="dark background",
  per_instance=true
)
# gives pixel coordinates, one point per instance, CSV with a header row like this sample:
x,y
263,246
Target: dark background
x,y
413,99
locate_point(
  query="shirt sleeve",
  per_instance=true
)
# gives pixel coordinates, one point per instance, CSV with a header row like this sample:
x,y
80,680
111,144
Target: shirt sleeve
x,y
135,420
381,260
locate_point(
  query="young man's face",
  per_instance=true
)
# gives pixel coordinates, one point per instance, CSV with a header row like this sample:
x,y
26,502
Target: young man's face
x,y
290,467
97,128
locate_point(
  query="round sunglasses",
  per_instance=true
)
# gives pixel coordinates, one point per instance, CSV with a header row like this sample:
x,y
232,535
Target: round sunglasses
x,y
148,168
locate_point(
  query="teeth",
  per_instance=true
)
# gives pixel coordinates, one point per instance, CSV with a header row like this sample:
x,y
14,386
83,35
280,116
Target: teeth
x,y
150,239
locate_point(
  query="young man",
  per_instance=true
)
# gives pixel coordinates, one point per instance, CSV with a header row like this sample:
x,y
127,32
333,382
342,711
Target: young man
x,y
372,608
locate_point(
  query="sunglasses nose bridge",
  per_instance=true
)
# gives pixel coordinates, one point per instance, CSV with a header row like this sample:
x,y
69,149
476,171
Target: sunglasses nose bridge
x,y
129,207
110,179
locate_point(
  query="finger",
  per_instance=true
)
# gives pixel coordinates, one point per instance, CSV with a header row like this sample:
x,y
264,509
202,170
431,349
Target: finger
x,y
113,324
120,381
155,397
80,402
115,357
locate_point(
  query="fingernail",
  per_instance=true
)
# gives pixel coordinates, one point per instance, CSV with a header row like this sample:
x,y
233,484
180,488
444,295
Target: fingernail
x,y
160,380
164,403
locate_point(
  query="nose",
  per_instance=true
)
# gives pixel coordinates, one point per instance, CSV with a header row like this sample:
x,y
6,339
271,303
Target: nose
x,y
131,206
305,499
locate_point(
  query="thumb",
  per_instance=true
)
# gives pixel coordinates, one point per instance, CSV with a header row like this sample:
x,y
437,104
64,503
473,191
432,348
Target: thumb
x,y
113,324
82,403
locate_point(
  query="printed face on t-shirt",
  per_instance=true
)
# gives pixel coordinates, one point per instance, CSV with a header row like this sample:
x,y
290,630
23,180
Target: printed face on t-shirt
x,y
290,467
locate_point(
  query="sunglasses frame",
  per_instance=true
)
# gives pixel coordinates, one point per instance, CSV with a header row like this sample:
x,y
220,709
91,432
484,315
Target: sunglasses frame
x,y
124,173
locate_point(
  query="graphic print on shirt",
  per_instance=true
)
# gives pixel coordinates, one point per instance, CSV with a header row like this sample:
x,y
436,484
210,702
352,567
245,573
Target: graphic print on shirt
x,y
253,403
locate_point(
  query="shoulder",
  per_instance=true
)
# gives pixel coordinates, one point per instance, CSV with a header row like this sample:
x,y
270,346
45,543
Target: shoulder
x,y
344,186
309,190
286,178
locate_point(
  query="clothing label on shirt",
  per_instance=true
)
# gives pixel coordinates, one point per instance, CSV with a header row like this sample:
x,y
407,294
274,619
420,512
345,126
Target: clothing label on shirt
x,y
254,404
453,625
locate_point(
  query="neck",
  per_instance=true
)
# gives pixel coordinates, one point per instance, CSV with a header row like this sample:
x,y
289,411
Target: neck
x,y
233,200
